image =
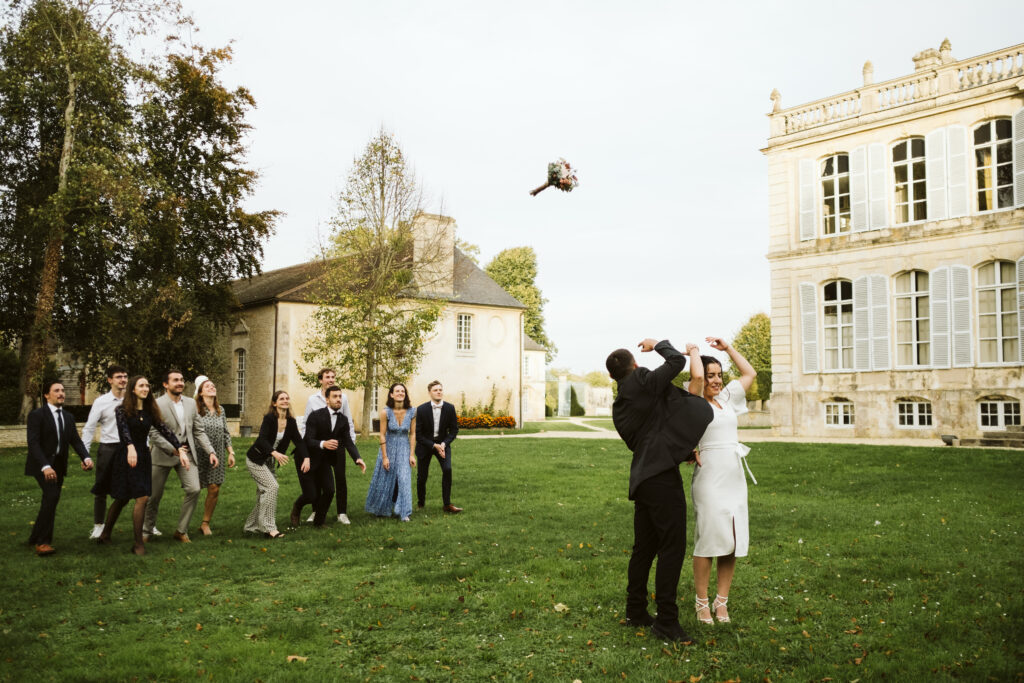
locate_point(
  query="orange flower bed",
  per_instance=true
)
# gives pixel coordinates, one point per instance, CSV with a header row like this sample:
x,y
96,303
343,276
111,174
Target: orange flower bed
x,y
485,421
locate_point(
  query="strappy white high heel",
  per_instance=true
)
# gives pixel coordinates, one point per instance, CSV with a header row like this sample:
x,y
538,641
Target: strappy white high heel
x,y
720,602
702,604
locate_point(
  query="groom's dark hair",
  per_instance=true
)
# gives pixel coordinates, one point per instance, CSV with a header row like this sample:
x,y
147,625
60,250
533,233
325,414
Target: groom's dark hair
x,y
620,363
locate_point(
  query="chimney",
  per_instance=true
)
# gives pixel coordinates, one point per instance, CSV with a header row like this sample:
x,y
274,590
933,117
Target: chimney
x,y
434,253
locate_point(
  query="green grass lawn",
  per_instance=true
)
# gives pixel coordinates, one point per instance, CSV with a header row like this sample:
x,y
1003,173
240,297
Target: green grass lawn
x,y
602,422
866,563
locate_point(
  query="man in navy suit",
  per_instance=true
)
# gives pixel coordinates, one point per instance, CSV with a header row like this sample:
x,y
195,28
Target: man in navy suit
x,y
51,430
327,430
437,425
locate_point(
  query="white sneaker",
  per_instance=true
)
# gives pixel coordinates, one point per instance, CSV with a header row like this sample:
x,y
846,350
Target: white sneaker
x,y
343,518
311,516
155,532
97,529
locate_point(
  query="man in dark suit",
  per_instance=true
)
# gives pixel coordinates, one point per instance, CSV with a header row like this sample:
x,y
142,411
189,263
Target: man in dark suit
x,y
437,425
661,425
51,430
327,430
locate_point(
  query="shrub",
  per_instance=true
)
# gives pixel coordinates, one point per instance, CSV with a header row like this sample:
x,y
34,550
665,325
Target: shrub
x,y
485,421
575,409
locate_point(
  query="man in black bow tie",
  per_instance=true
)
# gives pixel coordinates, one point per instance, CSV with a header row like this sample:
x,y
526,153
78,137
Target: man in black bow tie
x,y
327,430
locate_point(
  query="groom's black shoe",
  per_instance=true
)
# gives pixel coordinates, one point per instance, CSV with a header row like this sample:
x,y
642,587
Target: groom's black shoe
x,y
672,632
642,619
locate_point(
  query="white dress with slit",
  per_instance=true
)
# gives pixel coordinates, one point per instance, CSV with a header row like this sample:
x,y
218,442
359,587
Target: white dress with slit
x,y
719,488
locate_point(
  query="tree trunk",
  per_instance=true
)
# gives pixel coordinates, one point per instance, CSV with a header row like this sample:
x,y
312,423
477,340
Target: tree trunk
x,y
37,345
368,389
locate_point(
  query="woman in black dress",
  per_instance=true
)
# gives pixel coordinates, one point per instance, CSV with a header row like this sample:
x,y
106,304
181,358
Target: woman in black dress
x,y
131,475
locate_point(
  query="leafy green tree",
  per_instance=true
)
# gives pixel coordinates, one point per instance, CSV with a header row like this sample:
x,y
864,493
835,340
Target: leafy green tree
x,y
121,186
596,378
515,270
382,291
754,342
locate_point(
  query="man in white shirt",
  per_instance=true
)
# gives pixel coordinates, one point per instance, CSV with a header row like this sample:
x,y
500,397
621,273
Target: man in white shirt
x,y
101,416
317,401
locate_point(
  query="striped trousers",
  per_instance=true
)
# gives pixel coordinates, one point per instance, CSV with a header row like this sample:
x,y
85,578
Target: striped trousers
x,y
263,516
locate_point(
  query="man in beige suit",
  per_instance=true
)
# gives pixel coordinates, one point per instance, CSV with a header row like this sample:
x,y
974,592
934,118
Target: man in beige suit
x,y
179,415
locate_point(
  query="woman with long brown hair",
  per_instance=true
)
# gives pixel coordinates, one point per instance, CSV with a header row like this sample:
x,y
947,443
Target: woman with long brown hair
x,y
278,431
131,475
215,423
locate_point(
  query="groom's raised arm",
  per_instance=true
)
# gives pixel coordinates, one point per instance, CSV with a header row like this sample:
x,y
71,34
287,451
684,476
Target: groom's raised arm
x,y
674,363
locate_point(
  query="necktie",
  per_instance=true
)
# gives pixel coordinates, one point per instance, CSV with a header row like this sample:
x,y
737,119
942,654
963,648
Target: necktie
x,y
60,428
334,419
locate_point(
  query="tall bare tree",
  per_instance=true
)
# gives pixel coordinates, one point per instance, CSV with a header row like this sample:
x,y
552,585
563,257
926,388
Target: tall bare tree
x,y
388,272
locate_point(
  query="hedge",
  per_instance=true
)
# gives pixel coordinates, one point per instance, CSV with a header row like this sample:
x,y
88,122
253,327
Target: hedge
x,y
485,421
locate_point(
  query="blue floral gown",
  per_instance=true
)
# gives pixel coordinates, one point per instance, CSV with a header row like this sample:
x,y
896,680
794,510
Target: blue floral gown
x,y
397,481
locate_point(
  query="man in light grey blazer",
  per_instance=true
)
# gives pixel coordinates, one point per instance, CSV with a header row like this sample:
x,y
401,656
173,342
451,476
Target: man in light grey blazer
x,y
179,415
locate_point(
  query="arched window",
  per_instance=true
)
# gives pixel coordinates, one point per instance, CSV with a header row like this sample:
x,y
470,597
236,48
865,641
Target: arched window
x,y
993,162
913,331
997,312
839,412
838,324
835,194
240,377
908,167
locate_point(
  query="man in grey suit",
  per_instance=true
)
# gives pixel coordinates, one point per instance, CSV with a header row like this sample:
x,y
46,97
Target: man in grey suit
x,y
179,415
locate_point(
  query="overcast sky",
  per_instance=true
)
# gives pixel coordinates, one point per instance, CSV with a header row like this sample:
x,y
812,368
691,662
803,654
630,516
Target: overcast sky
x,y
659,105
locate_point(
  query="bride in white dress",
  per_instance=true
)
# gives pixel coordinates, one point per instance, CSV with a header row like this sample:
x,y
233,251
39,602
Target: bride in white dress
x,y
719,489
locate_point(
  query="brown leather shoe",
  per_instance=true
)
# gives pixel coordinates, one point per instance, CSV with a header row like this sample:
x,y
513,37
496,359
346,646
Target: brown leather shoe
x,y
45,549
178,536
452,509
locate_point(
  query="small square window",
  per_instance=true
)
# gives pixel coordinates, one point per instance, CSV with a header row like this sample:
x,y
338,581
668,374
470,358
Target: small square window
x,y
998,414
839,414
914,414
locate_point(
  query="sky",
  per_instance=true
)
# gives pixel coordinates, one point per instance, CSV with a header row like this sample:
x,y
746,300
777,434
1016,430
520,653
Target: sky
x,y
661,107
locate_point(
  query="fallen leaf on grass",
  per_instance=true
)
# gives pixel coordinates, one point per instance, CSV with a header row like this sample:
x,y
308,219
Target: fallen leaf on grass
x,y
297,658
561,608
199,627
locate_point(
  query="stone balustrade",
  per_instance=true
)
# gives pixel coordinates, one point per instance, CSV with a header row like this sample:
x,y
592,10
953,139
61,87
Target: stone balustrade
x,y
919,87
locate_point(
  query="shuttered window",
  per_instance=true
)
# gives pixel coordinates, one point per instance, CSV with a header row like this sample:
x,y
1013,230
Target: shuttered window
x,y
838,325
998,322
908,165
993,162
835,195
913,333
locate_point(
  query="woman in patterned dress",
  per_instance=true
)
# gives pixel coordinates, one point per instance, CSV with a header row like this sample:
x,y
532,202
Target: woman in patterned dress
x,y
278,431
215,422
719,489
131,473
391,486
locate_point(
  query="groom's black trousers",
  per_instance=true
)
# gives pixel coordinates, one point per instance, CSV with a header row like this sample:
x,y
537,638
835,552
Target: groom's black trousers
x,y
659,530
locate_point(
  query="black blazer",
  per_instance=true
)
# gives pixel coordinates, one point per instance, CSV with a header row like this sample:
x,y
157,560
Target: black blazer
x,y
264,443
42,442
318,428
446,433
659,422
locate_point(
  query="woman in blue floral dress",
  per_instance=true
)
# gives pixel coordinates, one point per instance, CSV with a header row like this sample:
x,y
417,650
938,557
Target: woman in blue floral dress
x,y
391,486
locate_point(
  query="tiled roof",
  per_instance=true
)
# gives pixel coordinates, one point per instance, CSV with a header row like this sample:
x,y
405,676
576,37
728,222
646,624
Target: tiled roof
x,y
296,283
530,345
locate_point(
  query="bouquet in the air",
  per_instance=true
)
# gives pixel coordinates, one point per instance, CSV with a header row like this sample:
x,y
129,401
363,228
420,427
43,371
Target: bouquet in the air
x,y
560,175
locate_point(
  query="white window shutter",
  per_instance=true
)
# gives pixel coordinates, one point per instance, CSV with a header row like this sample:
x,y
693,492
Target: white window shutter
x,y
935,174
960,306
809,326
861,324
879,322
859,188
958,165
1018,167
938,298
808,229
1020,305
878,188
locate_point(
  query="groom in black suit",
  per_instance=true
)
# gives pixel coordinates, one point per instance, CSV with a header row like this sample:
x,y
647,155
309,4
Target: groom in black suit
x,y
437,425
51,430
661,424
326,431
